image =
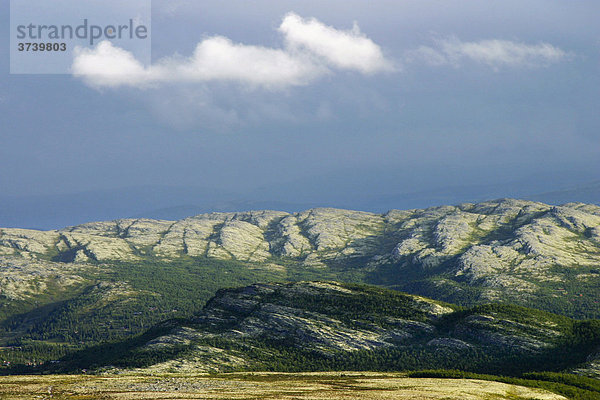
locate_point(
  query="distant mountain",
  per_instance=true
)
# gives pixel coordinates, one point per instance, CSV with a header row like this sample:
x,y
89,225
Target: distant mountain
x,y
589,193
181,212
383,189
373,191
59,210
521,251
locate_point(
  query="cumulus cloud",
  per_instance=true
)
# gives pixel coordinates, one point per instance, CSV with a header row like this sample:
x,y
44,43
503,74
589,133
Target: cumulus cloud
x,y
342,49
494,53
217,58
312,49
107,65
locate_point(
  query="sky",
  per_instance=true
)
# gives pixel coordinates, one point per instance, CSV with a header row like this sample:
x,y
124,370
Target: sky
x,y
273,96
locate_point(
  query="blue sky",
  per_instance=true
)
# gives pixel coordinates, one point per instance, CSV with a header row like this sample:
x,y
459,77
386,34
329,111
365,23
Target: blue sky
x,y
387,96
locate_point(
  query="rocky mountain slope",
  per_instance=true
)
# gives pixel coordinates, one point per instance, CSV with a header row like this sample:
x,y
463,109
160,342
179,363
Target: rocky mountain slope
x,y
554,234
76,287
331,326
520,251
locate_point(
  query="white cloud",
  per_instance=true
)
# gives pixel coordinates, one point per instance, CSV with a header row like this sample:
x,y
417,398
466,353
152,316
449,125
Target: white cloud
x,y
312,50
110,66
217,58
495,53
342,49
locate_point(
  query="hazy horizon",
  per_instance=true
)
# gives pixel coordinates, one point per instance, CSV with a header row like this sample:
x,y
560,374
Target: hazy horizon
x,y
348,104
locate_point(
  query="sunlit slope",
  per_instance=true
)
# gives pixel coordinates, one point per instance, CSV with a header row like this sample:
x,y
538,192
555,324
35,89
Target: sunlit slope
x,y
509,250
314,326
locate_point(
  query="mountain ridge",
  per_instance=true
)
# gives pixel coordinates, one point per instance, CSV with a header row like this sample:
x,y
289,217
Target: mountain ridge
x,y
313,326
68,289
506,247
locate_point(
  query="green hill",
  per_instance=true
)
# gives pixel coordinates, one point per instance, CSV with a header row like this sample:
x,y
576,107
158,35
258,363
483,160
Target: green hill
x,y
324,326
